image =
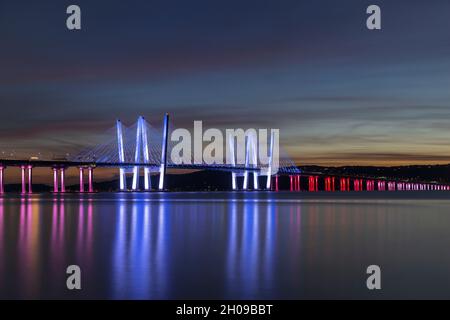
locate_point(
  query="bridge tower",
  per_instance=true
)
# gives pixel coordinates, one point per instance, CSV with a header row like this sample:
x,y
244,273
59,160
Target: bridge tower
x,y
122,175
162,169
251,159
270,167
232,160
141,152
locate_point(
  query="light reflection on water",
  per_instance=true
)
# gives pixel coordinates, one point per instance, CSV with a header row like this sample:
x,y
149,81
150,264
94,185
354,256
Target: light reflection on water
x,y
194,246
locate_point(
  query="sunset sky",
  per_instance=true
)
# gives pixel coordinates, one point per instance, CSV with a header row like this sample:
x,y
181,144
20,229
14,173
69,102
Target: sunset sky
x,y
339,93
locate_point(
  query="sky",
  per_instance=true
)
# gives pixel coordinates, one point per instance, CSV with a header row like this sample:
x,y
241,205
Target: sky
x,y
339,93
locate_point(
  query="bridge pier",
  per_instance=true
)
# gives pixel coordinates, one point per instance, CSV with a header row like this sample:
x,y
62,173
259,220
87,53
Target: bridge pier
x,y
344,184
313,183
91,179
391,186
30,182
2,182
55,179
81,179
329,184
59,178
370,186
357,185
24,182
62,172
26,175
297,183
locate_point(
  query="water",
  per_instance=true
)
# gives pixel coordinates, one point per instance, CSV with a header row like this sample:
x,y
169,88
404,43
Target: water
x,y
225,245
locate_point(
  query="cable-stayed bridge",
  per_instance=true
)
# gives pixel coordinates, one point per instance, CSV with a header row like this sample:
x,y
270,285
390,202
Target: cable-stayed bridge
x,y
142,147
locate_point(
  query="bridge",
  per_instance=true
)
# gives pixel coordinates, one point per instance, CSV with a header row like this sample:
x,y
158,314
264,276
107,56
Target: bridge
x,y
143,147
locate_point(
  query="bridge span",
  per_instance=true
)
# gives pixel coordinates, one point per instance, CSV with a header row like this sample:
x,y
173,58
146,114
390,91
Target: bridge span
x,y
135,148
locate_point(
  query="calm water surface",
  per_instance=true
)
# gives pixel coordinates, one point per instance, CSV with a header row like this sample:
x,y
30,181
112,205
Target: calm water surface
x,y
225,245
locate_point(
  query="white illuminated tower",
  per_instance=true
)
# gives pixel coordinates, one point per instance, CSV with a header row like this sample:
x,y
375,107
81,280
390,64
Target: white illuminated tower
x,y
162,169
122,176
251,159
141,152
232,159
269,169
